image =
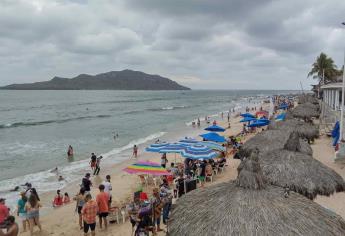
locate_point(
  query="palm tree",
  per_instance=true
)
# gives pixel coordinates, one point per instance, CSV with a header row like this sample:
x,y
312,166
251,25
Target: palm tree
x,y
323,64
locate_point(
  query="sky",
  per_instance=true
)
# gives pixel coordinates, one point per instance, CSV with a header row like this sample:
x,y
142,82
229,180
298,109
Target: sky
x,y
202,44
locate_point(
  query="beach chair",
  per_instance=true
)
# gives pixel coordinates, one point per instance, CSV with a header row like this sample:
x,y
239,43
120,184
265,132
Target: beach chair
x,y
114,215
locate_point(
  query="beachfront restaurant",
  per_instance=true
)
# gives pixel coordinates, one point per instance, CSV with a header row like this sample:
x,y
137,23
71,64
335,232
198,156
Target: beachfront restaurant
x,y
331,95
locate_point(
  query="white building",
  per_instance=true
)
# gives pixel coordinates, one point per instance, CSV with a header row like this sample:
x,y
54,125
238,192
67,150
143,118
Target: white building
x,y
331,95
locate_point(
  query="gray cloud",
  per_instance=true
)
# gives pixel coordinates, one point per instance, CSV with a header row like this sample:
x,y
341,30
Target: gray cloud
x,y
200,43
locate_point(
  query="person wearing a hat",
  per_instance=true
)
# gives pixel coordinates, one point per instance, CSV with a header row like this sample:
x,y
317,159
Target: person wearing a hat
x,y
4,212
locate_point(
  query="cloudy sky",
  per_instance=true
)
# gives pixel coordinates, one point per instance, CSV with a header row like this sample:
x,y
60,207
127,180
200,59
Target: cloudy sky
x,y
204,44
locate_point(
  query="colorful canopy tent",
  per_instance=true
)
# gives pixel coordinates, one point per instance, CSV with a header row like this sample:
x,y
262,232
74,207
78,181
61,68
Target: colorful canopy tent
x,y
149,168
213,137
199,151
215,128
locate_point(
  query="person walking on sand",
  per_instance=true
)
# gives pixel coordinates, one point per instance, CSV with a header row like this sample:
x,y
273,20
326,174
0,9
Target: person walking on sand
x,y
98,166
86,183
108,188
12,227
89,213
198,123
21,212
80,198
102,200
32,212
93,161
228,116
135,151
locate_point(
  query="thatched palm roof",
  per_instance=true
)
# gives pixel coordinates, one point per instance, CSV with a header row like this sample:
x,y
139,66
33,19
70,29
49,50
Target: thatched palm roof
x,y
305,130
301,173
305,112
307,98
270,140
249,207
286,161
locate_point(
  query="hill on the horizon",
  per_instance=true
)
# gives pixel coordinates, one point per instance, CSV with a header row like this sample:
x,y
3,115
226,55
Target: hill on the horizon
x,y
113,80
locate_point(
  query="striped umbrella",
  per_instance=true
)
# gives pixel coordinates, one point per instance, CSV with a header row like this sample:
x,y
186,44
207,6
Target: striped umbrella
x,y
199,151
156,147
188,140
174,148
213,145
149,168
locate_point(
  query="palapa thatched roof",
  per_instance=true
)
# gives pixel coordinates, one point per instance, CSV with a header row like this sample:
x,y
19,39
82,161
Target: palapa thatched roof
x,y
304,98
286,159
304,130
249,207
305,112
269,140
301,172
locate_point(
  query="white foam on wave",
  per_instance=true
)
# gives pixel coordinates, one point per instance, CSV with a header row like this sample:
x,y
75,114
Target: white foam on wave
x,y
46,181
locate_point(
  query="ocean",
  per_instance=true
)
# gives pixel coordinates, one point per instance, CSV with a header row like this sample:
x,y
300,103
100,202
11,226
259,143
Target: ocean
x,y
36,128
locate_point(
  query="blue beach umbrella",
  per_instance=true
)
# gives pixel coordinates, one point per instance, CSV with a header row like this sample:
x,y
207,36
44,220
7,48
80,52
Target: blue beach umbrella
x,y
213,137
156,147
174,148
215,128
247,115
258,124
283,106
280,117
199,151
188,140
213,145
247,119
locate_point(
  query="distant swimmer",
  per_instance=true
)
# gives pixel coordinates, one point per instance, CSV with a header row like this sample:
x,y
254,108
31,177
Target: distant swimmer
x,y
70,151
55,170
61,178
115,135
198,122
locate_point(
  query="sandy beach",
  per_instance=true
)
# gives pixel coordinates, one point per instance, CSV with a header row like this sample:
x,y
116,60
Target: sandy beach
x,y
64,220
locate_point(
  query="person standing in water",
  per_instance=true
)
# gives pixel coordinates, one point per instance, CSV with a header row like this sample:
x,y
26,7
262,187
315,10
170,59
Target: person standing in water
x,y
198,122
70,151
93,161
98,166
135,151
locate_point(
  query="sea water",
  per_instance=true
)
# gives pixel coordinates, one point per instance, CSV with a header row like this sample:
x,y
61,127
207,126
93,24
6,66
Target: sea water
x,y
36,128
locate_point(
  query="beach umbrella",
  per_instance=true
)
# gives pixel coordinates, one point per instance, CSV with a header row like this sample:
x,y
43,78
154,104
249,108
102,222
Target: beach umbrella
x,y
247,115
248,119
280,117
215,128
199,151
261,113
174,148
283,106
146,168
249,206
213,137
258,123
301,172
213,145
156,147
188,140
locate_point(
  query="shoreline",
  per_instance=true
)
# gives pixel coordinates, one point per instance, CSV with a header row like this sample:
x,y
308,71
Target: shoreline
x,y
123,184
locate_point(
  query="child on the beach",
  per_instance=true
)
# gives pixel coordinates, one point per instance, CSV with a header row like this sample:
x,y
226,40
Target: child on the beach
x,y
66,199
135,151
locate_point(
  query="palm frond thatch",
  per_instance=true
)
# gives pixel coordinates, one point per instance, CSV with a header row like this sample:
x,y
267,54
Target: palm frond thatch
x,y
230,209
304,130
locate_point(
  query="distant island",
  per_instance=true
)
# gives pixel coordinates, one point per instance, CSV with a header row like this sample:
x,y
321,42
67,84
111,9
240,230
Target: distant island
x,y
113,80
